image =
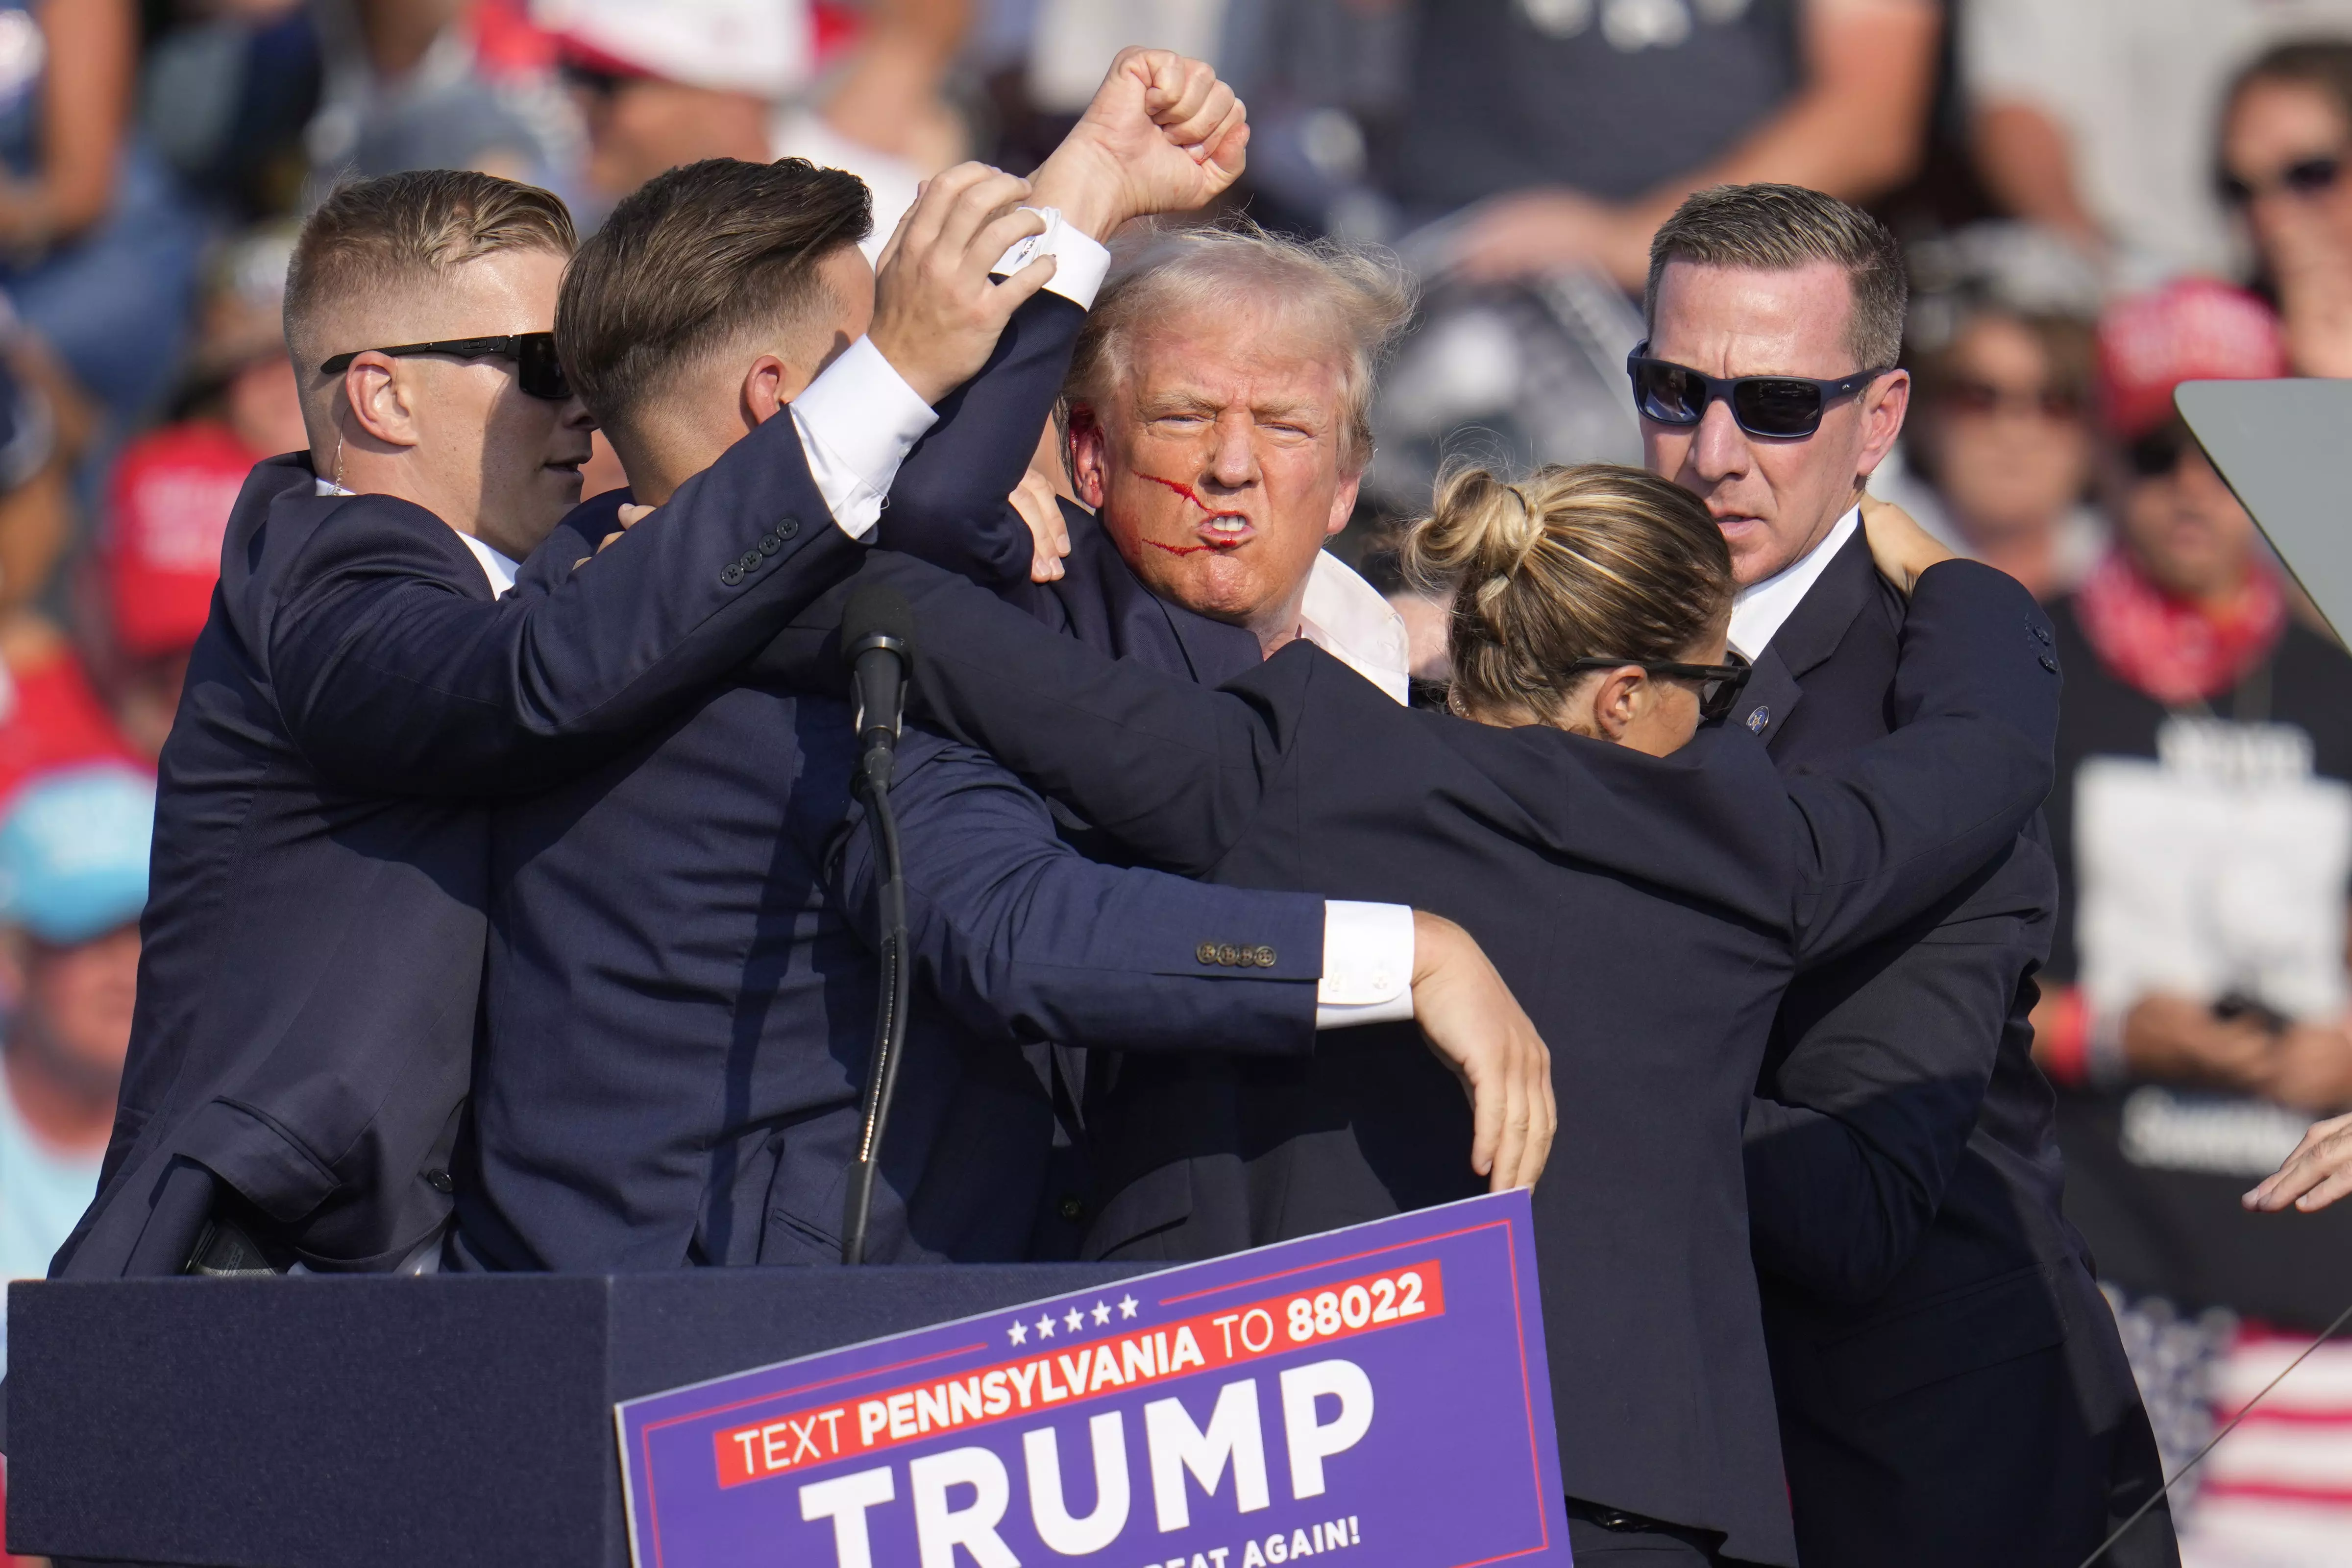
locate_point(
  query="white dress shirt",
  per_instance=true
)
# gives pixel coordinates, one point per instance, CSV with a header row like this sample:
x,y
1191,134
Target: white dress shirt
x,y
1349,619
1763,607
1081,261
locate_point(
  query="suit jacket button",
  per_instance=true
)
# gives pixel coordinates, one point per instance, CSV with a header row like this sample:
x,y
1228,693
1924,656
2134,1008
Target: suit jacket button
x,y
2049,664
438,1180
1206,952
1228,955
771,545
733,575
1073,1210
749,561
788,528
1262,956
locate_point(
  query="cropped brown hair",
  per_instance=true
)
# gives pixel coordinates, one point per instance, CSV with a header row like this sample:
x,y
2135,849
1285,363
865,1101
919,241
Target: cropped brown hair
x,y
1593,561
1360,296
692,258
397,230
2317,62
1780,228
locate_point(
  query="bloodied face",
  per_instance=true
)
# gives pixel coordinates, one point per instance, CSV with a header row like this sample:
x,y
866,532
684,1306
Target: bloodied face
x,y
1219,463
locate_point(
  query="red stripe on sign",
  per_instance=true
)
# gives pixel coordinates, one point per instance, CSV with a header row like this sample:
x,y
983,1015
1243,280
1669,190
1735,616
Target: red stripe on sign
x,y
2289,1416
854,1428
2279,1491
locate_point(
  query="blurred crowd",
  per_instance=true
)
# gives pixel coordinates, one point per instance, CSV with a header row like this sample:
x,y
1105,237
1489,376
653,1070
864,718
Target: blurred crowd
x,y
2101,199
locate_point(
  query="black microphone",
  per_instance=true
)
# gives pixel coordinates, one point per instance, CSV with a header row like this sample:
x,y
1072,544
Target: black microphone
x,y
877,644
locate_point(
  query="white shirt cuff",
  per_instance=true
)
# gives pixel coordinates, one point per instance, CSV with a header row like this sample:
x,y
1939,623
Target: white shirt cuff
x,y
857,421
1367,964
1082,260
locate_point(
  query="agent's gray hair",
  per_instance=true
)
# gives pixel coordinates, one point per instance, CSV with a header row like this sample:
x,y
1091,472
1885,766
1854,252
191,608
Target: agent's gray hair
x,y
1357,294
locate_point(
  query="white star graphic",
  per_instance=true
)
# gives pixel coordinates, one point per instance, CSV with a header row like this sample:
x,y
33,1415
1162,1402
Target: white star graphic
x,y
1018,1333
1076,1320
1102,1314
1127,1306
1045,1326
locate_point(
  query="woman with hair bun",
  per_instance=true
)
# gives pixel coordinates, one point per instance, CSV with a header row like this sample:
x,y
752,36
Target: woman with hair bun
x,y
1646,882
1585,598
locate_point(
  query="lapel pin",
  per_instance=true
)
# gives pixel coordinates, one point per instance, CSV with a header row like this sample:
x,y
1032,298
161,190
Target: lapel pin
x,y
1758,719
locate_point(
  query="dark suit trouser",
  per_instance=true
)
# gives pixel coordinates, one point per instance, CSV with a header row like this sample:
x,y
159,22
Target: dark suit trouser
x,y
2001,1464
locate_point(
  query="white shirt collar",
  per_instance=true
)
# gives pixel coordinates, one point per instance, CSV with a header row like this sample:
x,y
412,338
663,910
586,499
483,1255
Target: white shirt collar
x,y
1758,614
1347,618
496,569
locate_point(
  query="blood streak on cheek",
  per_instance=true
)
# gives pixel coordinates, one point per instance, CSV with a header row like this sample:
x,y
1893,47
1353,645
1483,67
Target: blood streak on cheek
x,y
1189,494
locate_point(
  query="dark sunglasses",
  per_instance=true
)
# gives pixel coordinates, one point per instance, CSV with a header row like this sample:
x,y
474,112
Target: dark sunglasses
x,y
2303,177
1967,396
2158,454
1779,408
537,369
1719,684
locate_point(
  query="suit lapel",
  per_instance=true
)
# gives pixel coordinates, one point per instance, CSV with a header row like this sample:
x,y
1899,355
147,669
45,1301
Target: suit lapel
x,y
1807,638
1771,695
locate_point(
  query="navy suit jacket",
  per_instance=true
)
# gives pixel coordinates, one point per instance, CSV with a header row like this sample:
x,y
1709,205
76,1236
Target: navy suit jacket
x,y
1937,1338
681,982
1576,865
313,935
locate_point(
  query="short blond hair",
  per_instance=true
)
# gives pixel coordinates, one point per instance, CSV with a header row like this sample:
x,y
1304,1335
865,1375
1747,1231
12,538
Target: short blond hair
x,y
1590,562
395,231
1362,295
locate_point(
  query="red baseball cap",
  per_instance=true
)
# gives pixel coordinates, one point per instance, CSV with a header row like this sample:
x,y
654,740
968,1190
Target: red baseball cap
x,y
169,504
2191,330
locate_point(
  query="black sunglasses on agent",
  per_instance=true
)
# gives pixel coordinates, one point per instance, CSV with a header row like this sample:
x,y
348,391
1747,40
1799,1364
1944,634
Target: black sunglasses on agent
x,y
1777,408
2303,177
1719,684
538,372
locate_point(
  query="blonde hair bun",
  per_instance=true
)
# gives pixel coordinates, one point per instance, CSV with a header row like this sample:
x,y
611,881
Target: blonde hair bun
x,y
1589,560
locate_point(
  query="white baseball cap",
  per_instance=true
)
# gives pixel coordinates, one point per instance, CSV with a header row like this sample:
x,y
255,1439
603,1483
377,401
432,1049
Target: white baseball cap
x,y
764,48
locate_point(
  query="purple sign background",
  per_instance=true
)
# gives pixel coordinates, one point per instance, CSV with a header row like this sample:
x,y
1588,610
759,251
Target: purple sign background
x,y
1378,1393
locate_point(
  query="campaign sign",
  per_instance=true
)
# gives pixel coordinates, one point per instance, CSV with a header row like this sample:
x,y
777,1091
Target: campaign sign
x,y
1377,1395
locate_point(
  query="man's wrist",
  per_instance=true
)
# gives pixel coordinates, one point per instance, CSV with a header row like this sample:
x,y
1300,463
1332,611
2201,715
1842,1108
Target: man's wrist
x,y
908,367
1084,183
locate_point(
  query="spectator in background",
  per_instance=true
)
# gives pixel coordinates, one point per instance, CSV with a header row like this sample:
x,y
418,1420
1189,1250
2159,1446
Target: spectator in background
x,y
2000,428
169,497
2286,135
44,423
670,84
437,84
225,89
1580,124
73,878
2194,1008
101,246
50,715
2096,117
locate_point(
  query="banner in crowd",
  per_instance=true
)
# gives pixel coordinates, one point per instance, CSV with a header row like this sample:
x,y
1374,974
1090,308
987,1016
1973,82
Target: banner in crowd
x,y
1378,1394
